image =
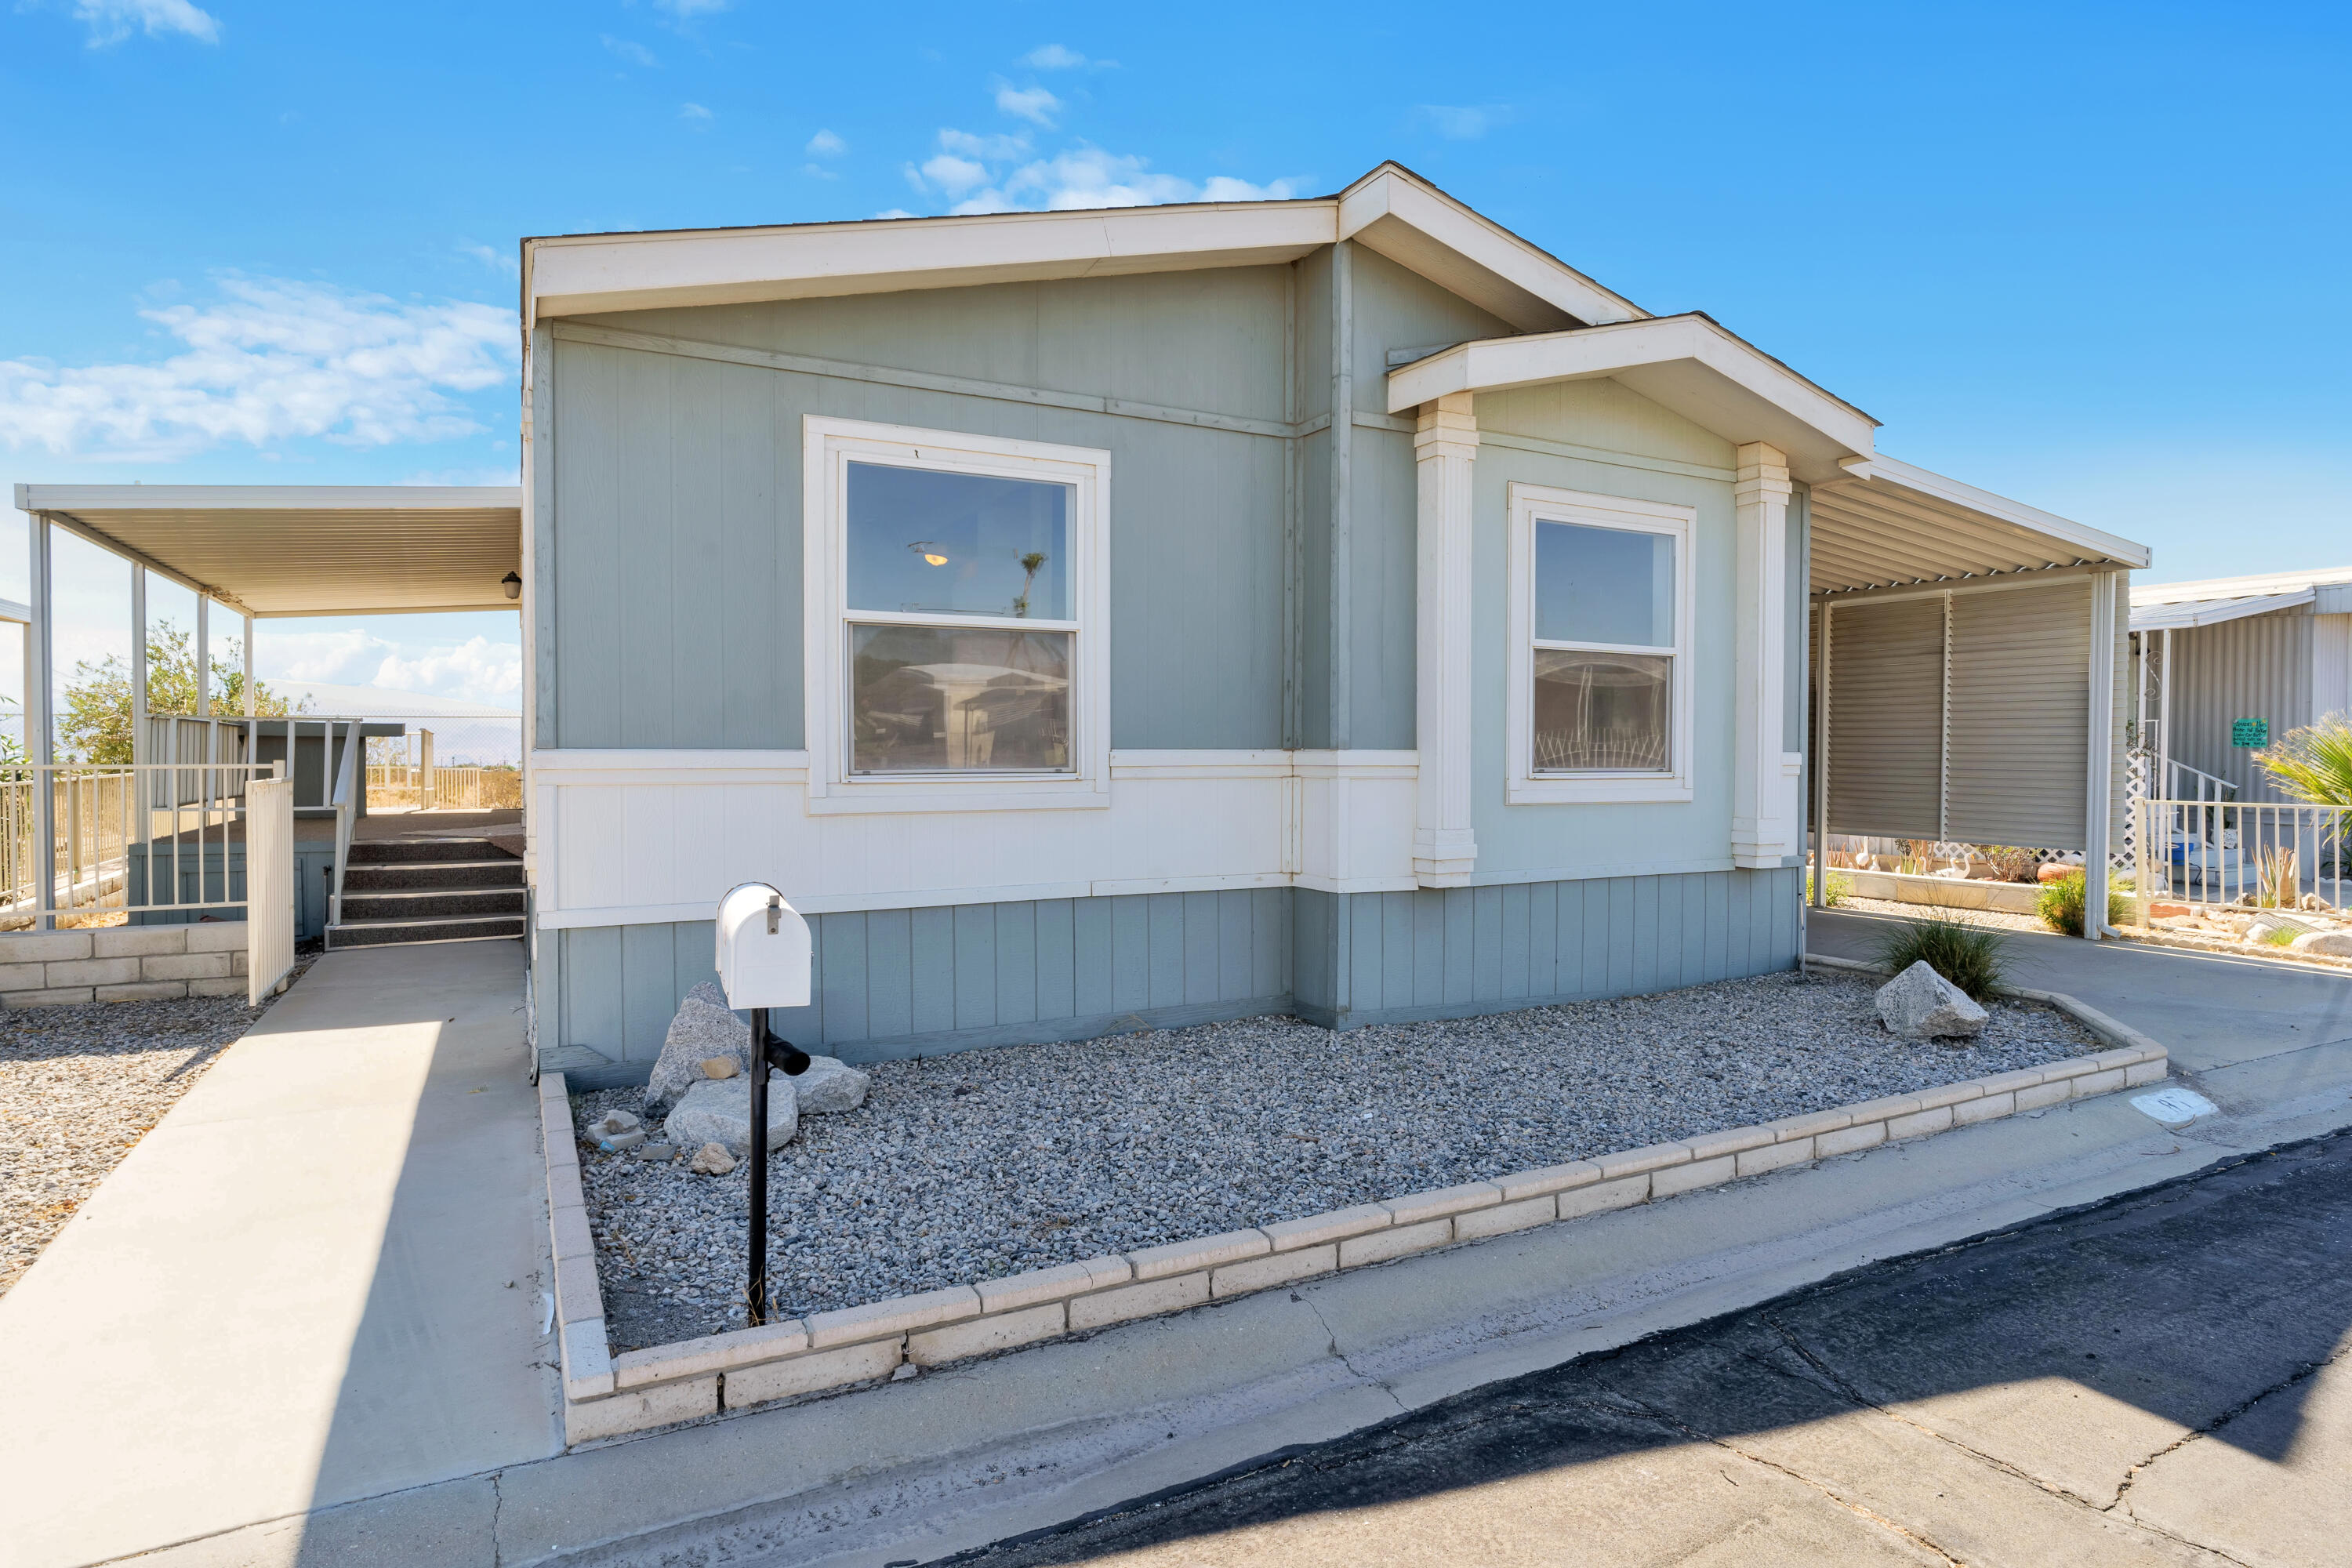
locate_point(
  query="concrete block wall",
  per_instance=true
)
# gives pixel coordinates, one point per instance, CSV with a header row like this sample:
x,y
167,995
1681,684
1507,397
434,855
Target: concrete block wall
x,y
122,963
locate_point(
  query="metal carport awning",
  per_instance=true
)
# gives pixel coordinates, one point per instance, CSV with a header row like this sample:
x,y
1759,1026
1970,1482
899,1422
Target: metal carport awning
x,y
306,550
1976,639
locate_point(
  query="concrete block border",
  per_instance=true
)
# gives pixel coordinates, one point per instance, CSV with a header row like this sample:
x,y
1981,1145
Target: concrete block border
x,y
122,963
608,1395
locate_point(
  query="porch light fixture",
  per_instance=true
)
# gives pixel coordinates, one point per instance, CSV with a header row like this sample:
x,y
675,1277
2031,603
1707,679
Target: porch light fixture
x,y
512,586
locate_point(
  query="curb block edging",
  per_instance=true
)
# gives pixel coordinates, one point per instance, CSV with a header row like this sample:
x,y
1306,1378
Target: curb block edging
x,y
608,1395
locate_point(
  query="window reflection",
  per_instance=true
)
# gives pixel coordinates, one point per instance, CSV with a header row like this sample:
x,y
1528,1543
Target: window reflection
x,y
933,699
1597,711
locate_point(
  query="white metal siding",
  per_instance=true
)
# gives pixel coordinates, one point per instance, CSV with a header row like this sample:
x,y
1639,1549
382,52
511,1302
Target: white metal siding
x,y
2020,713
1886,718
2257,668
2331,665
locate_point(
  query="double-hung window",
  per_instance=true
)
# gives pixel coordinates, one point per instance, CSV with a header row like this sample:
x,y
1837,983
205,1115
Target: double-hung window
x,y
1599,637
957,643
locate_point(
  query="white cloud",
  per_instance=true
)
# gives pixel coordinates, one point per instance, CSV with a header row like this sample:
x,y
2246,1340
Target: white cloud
x,y
1224,188
474,670
1458,122
995,148
1031,103
825,144
1055,58
894,212
1083,177
497,260
685,9
636,53
953,174
111,21
819,172
694,114
269,361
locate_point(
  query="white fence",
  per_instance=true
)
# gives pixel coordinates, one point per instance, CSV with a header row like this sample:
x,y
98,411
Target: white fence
x,y
2218,852
85,839
440,788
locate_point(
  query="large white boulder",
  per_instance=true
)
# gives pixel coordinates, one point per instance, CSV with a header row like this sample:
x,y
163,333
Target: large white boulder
x,y
829,1087
702,1029
1920,1003
2327,943
719,1110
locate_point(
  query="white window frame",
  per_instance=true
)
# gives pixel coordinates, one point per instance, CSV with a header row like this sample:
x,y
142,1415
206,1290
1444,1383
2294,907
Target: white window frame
x,y
828,446
1531,504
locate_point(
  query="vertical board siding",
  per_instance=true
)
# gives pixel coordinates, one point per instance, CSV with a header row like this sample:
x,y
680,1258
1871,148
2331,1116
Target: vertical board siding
x,y
917,982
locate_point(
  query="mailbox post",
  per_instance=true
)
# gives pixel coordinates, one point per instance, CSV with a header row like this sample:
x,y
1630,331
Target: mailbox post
x,y
762,962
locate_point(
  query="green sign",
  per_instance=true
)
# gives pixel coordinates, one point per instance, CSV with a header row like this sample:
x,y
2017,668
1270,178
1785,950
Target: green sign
x,y
2254,732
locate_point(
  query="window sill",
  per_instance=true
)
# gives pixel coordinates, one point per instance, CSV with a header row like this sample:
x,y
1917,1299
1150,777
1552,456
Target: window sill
x,y
1603,789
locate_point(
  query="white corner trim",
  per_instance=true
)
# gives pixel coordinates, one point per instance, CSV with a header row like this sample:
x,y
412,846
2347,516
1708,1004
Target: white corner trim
x,y
827,445
1527,505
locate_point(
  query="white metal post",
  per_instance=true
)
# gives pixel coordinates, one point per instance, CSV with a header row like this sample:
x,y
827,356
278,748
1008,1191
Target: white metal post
x,y
249,669
1822,769
2099,755
139,665
40,729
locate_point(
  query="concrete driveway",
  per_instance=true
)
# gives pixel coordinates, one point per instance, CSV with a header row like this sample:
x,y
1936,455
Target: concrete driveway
x,y
316,1280
2159,1380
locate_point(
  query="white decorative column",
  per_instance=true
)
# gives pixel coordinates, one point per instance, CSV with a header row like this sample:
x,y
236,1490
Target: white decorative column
x,y
1446,443
1762,816
2099,755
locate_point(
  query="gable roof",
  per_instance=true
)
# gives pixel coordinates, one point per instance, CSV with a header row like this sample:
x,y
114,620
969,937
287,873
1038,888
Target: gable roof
x,y
1390,210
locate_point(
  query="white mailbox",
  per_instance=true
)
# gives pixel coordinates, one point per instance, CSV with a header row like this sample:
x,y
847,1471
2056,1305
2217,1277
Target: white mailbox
x,y
763,949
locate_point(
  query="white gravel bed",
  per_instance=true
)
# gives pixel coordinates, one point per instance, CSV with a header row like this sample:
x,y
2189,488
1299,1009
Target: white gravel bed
x,y
987,1162
78,1087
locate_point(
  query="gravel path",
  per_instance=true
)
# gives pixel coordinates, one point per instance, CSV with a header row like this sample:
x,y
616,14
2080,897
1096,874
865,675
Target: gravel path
x,y
78,1085
987,1162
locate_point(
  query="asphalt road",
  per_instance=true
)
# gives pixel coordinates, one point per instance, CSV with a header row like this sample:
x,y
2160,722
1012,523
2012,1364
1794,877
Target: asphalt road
x,y
2156,1379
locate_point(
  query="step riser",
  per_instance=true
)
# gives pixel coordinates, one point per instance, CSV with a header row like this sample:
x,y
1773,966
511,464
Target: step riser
x,y
429,876
410,851
432,906
340,937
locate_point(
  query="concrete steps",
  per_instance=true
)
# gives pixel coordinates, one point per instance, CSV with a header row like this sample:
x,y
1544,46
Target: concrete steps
x,y
407,890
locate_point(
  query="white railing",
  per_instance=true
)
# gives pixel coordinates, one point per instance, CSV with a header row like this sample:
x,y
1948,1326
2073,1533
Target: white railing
x,y
348,783
2194,783
463,787
2219,852
86,839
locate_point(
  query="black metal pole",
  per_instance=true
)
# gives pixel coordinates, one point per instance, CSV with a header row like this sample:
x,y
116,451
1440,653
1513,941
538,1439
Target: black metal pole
x,y
757,1290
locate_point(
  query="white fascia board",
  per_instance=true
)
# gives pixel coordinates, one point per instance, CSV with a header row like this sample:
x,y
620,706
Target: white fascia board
x,y
1496,364
577,274
1387,198
2181,616
2091,541
84,499
2240,587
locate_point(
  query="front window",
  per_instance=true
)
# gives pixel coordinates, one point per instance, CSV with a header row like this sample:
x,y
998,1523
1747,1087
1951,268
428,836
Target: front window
x,y
1603,675
960,622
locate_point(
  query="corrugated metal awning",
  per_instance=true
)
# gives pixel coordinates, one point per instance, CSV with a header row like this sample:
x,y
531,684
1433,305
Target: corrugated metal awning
x,y
2187,613
1889,524
307,549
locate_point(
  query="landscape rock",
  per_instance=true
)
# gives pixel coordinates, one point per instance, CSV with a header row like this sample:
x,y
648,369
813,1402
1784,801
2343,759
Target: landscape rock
x,y
610,1123
613,1142
721,1068
712,1160
1920,1003
2054,871
2325,944
701,1030
716,1113
829,1087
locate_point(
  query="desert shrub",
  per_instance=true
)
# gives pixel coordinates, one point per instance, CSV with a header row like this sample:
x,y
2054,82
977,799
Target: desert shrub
x,y
1973,957
2061,905
1837,891
2010,863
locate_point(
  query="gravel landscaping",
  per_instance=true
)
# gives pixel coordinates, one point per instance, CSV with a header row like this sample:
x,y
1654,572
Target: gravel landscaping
x,y
78,1087
988,1162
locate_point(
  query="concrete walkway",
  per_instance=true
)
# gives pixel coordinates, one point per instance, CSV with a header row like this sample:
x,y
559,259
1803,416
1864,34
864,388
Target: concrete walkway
x,y
317,1281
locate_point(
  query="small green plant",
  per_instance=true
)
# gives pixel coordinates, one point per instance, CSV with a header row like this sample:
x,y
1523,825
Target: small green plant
x,y
2274,878
2281,936
2061,905
1837,889
1973,957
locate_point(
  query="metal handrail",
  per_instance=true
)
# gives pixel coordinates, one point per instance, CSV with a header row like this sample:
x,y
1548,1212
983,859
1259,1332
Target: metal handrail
x,y
2185,850
346,792
87,822
2205,782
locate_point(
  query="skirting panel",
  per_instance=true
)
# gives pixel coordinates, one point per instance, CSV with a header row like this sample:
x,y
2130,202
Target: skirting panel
x,y
1456,952
901,983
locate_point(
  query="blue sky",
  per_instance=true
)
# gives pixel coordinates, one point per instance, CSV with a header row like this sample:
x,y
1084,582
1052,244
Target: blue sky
x,y
2090,256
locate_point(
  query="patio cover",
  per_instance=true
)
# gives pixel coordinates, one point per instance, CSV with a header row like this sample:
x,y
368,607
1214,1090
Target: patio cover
x,y
307,549
1886,524
2176,606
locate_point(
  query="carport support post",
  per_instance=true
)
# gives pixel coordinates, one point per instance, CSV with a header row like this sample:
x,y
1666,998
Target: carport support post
x,y
2099,756
1821,774
40,726
138,664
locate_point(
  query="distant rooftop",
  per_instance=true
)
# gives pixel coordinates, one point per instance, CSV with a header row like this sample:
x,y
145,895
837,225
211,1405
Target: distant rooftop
x,y
2177,606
